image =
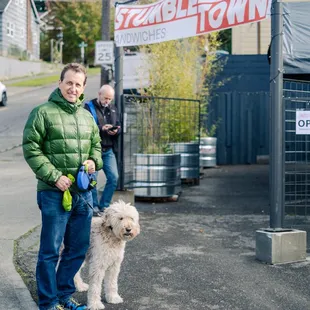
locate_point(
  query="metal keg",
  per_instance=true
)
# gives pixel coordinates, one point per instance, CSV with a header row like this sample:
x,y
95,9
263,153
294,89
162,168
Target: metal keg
x,y
208,152
189,159
157,175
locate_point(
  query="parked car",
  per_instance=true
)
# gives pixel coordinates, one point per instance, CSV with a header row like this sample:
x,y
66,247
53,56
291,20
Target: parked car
x,y
3,95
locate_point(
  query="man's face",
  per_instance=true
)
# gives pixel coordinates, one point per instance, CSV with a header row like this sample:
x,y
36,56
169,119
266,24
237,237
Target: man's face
x,y
105,97
72,86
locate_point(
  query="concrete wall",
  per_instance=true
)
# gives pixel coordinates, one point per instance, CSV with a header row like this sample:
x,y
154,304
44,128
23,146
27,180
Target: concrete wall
x,y
12,68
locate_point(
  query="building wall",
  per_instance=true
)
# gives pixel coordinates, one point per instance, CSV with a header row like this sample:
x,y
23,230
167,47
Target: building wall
x,y
253,38
14,28
239,108
35,30
15,31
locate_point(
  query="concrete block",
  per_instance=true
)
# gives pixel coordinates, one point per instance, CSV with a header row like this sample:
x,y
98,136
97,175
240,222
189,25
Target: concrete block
x,y
280,247
126,195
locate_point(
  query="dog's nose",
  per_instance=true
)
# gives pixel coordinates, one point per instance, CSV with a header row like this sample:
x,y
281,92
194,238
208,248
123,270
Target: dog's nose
x,y
128,229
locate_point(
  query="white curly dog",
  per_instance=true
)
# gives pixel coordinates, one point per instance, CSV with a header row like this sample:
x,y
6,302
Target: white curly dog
x,y
109,234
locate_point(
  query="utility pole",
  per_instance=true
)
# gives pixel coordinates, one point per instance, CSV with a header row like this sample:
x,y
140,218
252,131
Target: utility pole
x,y
276,119
276,244
82,46
105,36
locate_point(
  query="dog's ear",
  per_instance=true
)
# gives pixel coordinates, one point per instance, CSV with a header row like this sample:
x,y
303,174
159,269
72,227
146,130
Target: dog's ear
x,y
105,219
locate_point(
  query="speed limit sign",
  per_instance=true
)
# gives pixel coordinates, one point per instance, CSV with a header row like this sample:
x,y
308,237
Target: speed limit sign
x,y
104,53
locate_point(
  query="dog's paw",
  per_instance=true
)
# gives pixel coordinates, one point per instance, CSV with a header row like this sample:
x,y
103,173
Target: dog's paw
x,y
96,305
114,299
81,287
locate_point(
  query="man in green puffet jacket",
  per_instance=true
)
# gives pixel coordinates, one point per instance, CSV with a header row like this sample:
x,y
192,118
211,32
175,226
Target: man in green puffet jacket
x,y
59,137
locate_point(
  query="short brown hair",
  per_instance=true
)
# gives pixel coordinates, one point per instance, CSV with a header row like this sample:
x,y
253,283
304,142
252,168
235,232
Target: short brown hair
x,y
78,68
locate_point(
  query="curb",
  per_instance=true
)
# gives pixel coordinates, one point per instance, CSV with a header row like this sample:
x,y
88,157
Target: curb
x,y
23,245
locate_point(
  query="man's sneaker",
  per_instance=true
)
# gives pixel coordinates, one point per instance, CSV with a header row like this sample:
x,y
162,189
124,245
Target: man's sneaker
x,y
57,307
72,304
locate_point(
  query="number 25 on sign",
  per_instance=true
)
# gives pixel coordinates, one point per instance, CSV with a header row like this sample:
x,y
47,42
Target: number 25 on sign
x,y
104,53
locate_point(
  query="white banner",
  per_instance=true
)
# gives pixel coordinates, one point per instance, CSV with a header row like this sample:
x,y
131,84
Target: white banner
x,y
302,122
175,19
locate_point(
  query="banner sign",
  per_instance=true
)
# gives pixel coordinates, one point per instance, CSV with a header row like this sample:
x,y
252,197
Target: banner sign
x,y
302,122
175,19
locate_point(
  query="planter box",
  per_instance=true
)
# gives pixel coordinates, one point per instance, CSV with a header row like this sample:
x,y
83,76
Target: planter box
x,y
157,175
208,152
189,159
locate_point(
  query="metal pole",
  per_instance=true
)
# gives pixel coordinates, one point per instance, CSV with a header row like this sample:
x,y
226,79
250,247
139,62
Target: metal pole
x,y
119,102
52,50
61,51
105,36
276,185
82,53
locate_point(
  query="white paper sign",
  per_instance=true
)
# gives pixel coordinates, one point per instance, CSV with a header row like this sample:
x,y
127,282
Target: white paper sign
x,y
302,122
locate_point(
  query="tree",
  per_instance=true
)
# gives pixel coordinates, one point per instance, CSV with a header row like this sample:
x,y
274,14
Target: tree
x,y
80,22
183,69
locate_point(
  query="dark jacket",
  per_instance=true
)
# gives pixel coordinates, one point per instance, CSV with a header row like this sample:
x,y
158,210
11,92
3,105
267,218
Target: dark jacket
x,y
105,116
58,137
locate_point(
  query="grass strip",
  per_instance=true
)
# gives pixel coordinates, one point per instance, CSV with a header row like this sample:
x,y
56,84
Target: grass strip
x,y
46,80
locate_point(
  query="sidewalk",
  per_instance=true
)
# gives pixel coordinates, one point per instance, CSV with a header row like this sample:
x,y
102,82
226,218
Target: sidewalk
x,y
199,252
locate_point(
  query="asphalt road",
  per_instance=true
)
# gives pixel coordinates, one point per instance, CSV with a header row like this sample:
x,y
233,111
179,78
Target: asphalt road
x,y
199,252
196,253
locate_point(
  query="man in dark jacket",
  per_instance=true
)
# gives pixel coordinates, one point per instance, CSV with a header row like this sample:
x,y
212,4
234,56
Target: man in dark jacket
x,y
59,137
107,119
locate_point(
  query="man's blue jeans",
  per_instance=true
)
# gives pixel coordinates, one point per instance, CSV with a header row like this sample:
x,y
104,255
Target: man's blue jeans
x,y
73,229
111,173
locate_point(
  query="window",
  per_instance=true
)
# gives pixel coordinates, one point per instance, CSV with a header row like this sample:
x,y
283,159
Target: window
x,y
20,3
10,29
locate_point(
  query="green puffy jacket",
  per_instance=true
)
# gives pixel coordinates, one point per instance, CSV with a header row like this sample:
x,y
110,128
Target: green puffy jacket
x,y
58,137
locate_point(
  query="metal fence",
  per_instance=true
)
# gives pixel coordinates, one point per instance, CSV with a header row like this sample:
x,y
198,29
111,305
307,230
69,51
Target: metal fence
x,y
152,126
297,149
242,120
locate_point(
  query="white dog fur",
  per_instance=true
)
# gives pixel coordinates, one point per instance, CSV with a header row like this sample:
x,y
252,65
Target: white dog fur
x,y
109,234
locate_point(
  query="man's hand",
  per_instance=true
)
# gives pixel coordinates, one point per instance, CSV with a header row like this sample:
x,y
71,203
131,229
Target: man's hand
x,y
106,127
110,132
63,183
113,132
91,165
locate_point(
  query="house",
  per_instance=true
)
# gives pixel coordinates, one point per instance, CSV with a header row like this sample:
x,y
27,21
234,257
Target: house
x,y
19,29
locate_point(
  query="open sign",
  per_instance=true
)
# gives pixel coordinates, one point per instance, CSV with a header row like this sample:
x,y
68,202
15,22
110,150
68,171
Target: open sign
x,y
302,122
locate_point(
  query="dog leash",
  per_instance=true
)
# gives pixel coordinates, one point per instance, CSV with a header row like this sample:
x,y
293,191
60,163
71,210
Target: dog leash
x,y
98,214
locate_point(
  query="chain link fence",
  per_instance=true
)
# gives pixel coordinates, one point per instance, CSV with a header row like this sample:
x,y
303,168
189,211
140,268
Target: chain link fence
x,y
297,149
